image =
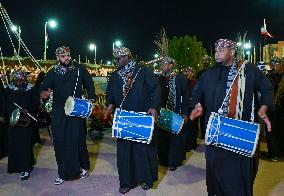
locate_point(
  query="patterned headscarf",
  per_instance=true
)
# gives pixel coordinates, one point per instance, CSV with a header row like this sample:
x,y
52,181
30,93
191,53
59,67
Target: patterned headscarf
x,y
62,50
19,74
119,52
225,43
168,60
23,85
262,66
276,60
126,74
187,70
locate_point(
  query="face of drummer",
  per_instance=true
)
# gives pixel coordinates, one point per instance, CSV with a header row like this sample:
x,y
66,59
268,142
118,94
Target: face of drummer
x,y
167,67
64,59
19,82
122,61
225,56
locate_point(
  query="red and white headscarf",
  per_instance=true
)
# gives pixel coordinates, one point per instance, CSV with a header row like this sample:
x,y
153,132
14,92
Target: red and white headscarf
x,y
62,50
225,43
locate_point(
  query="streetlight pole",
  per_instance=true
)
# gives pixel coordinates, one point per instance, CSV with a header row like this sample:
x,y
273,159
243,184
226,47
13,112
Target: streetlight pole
x,y
93,47
117,44
95,55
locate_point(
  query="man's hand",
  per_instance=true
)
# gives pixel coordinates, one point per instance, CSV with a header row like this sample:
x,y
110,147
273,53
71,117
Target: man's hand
x,y
262,114
108,111
45,94
196,112
153,112
25,111
2,76
2,119
185,118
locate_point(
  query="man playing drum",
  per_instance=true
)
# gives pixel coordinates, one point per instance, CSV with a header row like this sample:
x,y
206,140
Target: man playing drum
x,y
136,162
174,97
229,173
69,133
20,151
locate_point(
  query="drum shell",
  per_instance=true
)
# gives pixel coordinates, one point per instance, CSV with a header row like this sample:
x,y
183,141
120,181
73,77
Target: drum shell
x,y
238,136
170,121
78,107
134,126
19,119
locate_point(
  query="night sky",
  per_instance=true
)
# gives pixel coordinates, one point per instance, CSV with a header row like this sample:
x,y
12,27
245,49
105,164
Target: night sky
x,y
136,23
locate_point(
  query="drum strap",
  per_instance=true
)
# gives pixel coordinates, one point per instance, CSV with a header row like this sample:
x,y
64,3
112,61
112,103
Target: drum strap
x,y
77,79
132,82
220,111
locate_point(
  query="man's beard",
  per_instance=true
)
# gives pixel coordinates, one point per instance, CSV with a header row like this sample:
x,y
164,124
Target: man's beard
x,y
21,84
65,64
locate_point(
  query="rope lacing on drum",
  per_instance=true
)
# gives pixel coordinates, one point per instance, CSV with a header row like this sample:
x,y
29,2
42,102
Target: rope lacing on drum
x,y
217,128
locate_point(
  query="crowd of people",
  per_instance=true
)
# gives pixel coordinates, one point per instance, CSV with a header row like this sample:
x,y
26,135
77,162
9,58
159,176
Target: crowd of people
x,y
233,88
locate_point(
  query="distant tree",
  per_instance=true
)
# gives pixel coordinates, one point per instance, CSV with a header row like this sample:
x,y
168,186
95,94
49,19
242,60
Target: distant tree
x,y
162,43
187,51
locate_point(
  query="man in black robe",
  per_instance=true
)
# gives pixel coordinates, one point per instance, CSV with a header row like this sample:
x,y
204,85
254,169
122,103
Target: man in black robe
x,y
137,162
228,173
205,63
20,152
175,97
69,134
36,88
192,128
3,122
275,138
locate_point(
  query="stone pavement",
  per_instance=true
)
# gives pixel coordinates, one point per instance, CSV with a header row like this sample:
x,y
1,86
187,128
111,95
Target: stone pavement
x,y
188,180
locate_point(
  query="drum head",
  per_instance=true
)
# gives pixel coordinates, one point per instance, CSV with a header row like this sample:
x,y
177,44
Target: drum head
x,y
15,117
69,105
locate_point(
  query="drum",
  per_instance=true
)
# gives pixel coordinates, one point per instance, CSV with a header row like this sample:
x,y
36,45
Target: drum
x,y
231,134
48,104
78,107
170,121
134,126
19,119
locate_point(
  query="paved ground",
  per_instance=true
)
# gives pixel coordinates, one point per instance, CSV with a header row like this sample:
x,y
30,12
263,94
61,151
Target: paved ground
x,y
103,180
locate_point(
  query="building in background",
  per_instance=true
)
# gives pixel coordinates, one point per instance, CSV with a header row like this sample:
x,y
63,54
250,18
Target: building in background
x,y
271,50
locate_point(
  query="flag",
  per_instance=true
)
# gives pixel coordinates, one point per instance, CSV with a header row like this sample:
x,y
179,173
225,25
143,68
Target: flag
x,y
264,31
46,39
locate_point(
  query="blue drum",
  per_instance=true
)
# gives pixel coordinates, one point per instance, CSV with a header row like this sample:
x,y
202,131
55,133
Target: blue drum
x,y
231,134
134,126
78,107
170,121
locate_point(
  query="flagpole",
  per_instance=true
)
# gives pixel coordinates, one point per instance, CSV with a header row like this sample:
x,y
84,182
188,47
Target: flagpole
x,y
260,50
254,55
